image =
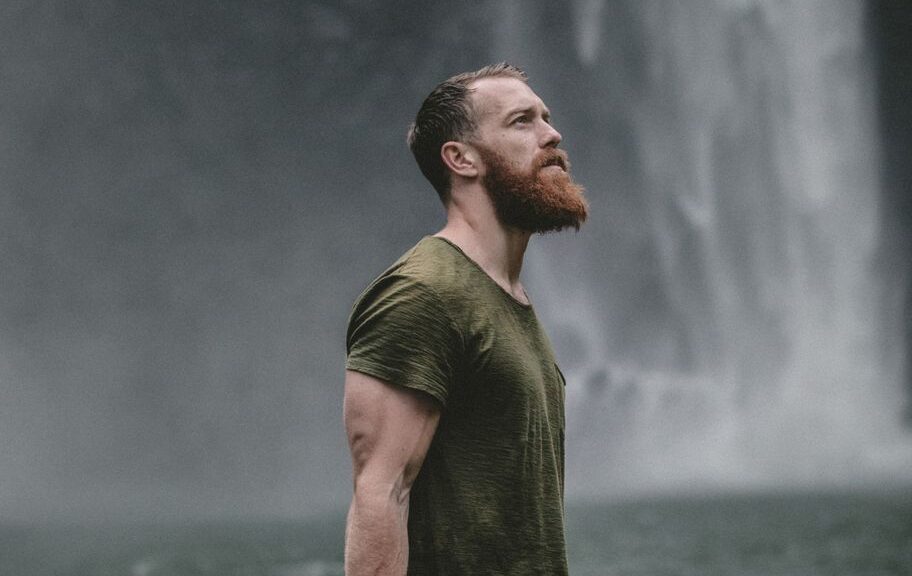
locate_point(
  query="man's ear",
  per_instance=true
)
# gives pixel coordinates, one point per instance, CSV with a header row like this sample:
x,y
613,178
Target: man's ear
x,y
460,158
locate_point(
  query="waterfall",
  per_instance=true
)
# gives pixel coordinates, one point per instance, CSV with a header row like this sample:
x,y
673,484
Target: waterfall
x,y
754,132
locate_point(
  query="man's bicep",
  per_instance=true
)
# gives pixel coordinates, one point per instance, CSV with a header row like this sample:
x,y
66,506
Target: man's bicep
x,y
389,427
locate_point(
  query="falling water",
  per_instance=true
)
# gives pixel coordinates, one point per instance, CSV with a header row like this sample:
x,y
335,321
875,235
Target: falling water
x,y
754,130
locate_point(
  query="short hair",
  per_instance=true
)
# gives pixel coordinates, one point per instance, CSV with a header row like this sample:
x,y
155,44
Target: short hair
x,y
447,115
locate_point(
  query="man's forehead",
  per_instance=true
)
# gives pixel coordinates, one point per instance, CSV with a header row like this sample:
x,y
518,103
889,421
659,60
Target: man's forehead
x,y
500,95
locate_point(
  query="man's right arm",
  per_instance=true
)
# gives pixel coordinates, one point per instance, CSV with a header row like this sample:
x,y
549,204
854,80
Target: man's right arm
x,y
389,430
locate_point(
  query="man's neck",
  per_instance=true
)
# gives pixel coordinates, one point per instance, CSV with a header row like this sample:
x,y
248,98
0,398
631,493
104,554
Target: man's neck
x,y
498,250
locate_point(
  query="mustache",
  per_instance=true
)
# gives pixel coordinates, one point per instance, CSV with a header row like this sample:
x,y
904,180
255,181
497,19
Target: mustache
x,y
553,157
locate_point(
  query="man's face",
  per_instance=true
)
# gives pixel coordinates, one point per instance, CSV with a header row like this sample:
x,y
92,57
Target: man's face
x,y
525,175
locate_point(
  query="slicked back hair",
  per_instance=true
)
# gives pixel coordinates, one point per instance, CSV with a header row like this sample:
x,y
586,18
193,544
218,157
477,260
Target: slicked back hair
x,y
447,115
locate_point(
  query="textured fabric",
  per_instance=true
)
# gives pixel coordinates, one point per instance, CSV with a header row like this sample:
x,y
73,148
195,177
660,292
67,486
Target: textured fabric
x,y
489,497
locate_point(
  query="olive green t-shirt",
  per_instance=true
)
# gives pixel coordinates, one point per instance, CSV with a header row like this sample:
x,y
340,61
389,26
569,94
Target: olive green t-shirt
x,y
489,496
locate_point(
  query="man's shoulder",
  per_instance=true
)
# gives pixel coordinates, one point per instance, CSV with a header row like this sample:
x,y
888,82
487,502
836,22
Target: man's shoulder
x,y
403,328
432,266
433,262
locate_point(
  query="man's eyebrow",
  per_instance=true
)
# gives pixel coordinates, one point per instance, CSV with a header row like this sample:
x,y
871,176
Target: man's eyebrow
x,y
546,113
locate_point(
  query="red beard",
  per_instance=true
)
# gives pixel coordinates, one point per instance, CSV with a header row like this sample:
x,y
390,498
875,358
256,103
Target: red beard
x,y
537,200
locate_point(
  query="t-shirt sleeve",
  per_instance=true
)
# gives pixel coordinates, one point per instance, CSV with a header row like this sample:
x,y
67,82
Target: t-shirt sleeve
x,y
400,332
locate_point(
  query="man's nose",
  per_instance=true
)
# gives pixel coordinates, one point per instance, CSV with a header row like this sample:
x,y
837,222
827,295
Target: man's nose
x,y
550,136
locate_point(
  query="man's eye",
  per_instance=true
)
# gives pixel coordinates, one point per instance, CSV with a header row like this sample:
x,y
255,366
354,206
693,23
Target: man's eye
x,y
521,120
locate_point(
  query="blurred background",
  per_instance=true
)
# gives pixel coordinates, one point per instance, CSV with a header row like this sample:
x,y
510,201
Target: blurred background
x,y
192,194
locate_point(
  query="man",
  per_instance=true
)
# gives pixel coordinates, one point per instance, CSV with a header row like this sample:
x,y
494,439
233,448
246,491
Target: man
x,y
454,405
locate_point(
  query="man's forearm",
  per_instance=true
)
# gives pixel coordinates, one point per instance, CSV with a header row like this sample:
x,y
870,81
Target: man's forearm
x,y
376,537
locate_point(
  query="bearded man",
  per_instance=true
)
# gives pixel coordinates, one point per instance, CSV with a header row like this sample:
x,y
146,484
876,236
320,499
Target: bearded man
x,y
454,404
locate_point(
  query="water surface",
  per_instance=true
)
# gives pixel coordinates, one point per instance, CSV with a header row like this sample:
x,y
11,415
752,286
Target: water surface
x,y
753,535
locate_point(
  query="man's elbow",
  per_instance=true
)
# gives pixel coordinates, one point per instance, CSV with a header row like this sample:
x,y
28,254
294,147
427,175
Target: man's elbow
x,y
381,490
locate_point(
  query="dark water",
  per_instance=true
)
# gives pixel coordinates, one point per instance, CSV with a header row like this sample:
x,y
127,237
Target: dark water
x,y
807,535
794,535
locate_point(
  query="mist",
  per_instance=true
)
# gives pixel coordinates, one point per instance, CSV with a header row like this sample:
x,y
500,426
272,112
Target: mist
x,y
192,194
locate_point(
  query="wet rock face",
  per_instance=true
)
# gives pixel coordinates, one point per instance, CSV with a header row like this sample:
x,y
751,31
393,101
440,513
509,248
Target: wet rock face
x,y
888,21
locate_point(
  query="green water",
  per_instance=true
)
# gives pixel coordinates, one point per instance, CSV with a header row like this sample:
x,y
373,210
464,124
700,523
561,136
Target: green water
x,y
794,535
827,535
